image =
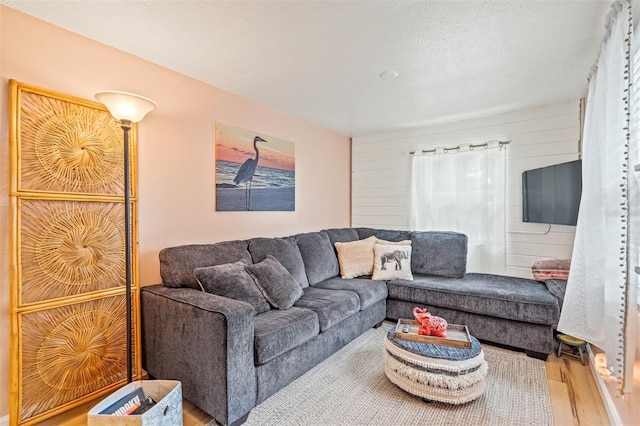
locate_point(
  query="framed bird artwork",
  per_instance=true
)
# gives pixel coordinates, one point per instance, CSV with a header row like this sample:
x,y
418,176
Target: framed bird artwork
x,y
254,172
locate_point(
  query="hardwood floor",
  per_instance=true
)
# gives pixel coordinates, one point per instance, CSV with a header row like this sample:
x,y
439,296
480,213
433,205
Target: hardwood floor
x,y
575,399
193,416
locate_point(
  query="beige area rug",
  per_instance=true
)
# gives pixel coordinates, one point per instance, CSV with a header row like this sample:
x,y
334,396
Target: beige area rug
x,y
350,388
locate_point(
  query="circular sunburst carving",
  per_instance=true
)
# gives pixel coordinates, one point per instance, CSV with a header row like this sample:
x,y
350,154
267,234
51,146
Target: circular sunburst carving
x,y
75,247
71,150
78,351
70,351
69,147
70,248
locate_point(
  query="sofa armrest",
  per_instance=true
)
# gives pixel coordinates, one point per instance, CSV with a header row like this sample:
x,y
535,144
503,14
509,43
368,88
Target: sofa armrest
x,y
206,342
557,288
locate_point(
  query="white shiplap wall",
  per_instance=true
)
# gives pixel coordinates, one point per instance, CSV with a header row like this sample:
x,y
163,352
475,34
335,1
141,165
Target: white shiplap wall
x,y
381,173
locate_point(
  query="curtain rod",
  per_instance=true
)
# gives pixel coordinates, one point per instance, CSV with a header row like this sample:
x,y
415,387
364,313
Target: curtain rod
x,y
457,148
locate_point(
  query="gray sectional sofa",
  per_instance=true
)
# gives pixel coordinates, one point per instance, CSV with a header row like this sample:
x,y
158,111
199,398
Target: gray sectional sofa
x,y
230,355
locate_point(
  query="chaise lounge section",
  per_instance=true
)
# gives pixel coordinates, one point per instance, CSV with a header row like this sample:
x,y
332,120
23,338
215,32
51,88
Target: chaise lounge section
x,y
232,351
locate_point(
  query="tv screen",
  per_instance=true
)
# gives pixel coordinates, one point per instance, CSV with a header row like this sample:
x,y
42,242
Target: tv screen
x,y
552,194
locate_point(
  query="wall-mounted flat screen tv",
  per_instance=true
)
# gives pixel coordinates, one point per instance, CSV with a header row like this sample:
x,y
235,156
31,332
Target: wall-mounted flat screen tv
x,y
552,194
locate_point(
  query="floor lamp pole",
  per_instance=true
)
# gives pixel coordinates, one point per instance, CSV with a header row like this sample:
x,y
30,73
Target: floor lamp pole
x,y
126,126
127,108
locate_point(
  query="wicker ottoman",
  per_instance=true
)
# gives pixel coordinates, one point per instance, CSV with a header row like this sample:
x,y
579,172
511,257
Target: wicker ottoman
x,y
435,372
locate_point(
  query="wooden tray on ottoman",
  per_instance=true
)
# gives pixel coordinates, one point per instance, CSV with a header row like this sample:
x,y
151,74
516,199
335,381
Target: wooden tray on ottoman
x,y
457,335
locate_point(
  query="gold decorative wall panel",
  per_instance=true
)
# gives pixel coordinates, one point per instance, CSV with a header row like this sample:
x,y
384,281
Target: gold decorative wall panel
x,y
71,351
69,248
68,307
68,147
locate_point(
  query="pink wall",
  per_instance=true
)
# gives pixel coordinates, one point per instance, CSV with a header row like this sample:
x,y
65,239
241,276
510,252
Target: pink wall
x,y
175,151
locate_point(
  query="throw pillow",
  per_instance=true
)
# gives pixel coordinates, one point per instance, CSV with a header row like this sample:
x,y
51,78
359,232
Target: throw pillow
x,y
392,262
356,257
393,243
232,280
276,283
317,253
285,250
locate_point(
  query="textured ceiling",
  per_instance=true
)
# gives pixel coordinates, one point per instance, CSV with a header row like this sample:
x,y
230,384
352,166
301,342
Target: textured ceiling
x,y
321,60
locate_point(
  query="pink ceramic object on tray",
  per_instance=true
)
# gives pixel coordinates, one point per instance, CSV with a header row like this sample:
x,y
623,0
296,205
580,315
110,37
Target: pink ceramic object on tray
x,y
430,325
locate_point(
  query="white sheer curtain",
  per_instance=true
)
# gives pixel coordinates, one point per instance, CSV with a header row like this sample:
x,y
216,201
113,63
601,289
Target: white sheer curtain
x,y
464,192
601,287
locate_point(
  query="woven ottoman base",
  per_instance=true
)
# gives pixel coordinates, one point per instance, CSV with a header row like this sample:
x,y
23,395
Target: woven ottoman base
x,y
436,372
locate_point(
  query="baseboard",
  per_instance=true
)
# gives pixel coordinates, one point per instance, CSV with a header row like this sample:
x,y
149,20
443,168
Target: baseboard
x,y
614,418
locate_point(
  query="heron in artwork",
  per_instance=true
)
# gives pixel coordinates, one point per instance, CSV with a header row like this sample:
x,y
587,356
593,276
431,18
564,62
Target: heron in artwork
x,y
246,172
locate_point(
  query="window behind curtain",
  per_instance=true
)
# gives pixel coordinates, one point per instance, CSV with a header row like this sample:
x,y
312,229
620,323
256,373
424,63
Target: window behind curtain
x,y
464,192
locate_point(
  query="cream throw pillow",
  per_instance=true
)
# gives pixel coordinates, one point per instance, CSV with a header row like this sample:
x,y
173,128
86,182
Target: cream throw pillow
x,y
356,257
392,262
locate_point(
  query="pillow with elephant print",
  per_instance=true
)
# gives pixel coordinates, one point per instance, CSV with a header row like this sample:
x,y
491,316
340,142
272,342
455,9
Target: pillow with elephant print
x,y
392,262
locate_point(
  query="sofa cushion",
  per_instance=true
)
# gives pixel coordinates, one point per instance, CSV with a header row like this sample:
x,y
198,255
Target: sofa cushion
x,y
331,306
285,250
277,332
177,263
392,262
383,234
232,281
439,253
393,243
341,235
318,255
276,283
512,298
356,258
369,291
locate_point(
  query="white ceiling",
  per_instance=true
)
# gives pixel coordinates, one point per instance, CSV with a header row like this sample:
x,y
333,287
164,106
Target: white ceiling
x,y
321,60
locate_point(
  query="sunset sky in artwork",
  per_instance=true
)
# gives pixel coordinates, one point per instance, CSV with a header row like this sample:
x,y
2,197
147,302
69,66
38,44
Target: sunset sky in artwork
x,y
236,145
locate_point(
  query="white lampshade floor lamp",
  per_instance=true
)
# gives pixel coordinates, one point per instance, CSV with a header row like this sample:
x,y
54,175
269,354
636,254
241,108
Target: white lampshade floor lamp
x,y
127,108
